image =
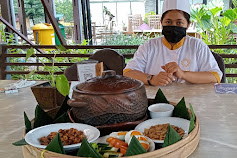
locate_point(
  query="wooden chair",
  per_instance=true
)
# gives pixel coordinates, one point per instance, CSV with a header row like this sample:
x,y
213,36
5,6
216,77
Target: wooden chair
x,y
134,21
154,21
111,59
221,65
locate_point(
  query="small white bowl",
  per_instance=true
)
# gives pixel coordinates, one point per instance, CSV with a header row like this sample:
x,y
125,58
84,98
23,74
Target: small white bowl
x,y
161,110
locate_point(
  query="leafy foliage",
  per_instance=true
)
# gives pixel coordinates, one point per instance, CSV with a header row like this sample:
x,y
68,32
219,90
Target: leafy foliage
x,y
171,137
217,27
65,8
34,10
122,39
180,110
146,19
214,25
160,97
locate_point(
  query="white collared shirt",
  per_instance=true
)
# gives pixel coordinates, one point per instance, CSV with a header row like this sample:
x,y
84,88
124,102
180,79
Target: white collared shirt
x,y
194,55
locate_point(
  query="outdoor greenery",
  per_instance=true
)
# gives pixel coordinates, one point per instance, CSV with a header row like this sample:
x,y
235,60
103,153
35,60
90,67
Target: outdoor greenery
x,y
8,38
217,27
122,39
146,19
34,10
65,8
214,24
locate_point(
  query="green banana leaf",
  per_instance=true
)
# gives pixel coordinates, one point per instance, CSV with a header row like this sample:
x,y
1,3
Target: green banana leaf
x,y
27,123
135,148
64,108
171,137
20,142
41,117
86,150
64,118
180,110
160,97
192,119
56,145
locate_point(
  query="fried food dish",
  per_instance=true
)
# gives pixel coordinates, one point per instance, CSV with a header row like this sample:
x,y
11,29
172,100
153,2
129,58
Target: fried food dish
x,y
68,136
158,132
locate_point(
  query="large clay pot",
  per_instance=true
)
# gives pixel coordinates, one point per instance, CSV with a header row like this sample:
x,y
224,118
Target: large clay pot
x,y
109,99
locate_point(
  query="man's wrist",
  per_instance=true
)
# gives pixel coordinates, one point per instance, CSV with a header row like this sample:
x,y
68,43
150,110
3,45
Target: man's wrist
x,y
149,77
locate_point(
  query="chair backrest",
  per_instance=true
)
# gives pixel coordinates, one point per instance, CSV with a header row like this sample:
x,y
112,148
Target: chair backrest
x,y
221,65
154,21
134,21
111,59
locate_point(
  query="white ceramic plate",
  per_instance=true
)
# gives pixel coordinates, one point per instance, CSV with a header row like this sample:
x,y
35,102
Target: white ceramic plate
x,y
32,137
182,123
103,140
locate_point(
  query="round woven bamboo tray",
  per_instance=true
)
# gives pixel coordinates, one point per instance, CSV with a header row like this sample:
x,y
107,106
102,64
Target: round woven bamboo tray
x,y
181,149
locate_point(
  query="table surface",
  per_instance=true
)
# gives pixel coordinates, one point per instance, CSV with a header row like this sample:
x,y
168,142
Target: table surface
x,y
216,114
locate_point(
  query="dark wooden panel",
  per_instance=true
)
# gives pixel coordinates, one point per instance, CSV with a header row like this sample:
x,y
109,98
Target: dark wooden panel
x,y
38,64
22,17
50,55
77,21
230,65
6,12
228,55
74,46
231,75
27,72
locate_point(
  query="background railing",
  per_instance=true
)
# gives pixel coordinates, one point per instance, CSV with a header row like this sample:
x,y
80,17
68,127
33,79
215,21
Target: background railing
x,y
5,63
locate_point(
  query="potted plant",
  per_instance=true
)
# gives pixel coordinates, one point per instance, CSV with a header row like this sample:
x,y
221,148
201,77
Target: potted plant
x,y
50,94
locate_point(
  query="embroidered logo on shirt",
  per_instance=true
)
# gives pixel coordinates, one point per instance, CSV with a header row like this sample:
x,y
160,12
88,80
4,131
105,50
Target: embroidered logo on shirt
x,y
185,62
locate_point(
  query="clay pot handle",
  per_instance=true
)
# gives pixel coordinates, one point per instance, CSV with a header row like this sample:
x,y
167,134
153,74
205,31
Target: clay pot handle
x,y
76,103
108,73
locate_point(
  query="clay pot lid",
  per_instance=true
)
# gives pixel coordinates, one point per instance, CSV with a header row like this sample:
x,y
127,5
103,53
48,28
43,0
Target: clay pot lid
x,y
109,83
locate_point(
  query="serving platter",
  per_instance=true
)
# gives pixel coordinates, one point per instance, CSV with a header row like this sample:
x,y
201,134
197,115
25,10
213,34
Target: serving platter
x,y
181,149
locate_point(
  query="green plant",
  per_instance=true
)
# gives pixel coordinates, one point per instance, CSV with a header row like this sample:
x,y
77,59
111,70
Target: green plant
x,y
34,10
107,12
217,27
65,8
234,3
58,81
214,24
146,19
122,39
123,23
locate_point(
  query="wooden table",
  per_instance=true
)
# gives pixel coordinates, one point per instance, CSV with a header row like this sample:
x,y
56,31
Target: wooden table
x,y
216,114
12,108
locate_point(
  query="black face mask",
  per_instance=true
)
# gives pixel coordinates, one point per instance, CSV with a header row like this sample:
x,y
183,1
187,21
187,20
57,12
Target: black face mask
x,y
174,34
